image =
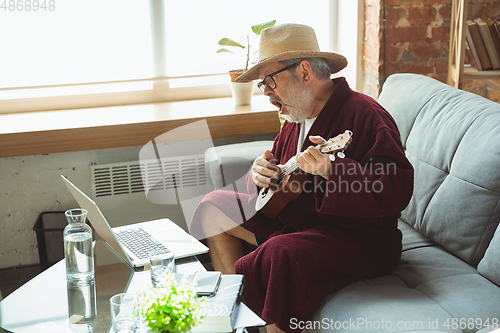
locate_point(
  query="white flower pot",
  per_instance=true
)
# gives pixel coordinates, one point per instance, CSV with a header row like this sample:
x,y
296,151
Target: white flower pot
x,y
242,92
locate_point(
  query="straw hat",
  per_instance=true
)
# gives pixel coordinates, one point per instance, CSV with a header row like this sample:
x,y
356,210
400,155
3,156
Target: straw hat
x,y
290,41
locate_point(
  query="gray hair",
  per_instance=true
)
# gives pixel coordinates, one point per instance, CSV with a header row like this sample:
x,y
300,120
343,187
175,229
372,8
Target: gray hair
x,y
319,66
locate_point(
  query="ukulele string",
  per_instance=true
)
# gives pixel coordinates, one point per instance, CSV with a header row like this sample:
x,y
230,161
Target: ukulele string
x,y
284,173
292,167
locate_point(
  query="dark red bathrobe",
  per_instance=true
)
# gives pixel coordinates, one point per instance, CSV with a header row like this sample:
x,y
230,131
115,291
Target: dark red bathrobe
x,y
337,231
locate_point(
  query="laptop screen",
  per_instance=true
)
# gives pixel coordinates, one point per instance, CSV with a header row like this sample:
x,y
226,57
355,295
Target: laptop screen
x,y
95,217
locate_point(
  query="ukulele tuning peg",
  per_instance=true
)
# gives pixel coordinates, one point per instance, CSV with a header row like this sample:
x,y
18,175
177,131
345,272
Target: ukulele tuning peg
x,y
332,157
341,154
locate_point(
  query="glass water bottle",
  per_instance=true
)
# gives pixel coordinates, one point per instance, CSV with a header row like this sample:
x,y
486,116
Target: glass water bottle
x,y
78,250
79,256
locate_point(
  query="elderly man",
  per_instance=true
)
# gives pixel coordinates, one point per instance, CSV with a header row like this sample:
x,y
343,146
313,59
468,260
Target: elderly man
x,y
343,225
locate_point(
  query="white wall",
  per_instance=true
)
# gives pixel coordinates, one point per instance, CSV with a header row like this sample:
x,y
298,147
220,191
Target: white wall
x,y
30,185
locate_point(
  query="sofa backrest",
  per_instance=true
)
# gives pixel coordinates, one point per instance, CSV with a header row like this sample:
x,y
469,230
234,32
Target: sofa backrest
x,y
452,138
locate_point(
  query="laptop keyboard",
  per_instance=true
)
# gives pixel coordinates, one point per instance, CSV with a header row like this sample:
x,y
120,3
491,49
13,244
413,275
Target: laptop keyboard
x,y
139,242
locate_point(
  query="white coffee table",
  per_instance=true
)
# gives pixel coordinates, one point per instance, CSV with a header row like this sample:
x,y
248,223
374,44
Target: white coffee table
x,y
41,305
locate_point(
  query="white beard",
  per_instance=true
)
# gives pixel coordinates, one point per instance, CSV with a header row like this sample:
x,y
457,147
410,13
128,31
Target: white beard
x,y
300,103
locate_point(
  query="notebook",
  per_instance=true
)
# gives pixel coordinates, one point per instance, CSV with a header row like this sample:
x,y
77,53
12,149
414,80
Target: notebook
x,y
162,231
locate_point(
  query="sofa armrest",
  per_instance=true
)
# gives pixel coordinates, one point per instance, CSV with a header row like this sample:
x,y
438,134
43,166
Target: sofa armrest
x,y
226,164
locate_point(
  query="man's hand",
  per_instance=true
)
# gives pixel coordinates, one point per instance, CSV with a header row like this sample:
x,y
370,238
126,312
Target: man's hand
x,y
264,168
314,162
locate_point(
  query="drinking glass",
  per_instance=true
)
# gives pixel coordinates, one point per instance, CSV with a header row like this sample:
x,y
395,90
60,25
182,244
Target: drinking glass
x,y
124,313
161,263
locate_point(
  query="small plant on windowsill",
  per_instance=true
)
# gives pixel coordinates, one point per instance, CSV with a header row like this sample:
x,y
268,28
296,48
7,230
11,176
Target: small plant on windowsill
x,y
242,91
172,308
256,29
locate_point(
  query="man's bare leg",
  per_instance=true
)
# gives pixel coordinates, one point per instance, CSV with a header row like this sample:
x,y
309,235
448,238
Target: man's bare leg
x,y
273,329
226,243
225,239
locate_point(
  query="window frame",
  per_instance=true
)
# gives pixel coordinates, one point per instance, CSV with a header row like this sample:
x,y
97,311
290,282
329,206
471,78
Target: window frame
x,y
160,92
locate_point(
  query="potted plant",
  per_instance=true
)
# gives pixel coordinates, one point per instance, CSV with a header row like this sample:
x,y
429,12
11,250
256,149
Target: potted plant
x,y
172,308
242,91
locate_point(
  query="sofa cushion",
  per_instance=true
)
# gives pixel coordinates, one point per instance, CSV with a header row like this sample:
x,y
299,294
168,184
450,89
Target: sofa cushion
x,y
365,307
489,266
429,263
451,138
430,290
412,239
462,303
468,297
489,329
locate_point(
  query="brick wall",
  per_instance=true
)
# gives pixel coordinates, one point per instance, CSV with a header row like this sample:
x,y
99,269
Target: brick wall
x,y
412,36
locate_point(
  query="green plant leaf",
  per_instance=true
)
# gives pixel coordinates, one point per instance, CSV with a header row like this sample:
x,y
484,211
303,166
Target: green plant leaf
x,y
224,50
230,42
259,27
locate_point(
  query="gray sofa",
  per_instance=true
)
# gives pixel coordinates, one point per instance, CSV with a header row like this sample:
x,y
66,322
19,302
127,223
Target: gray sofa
x,y
448,279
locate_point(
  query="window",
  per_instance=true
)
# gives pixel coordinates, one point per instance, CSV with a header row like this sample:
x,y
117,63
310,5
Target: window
x,y
349,38
72,53
74,42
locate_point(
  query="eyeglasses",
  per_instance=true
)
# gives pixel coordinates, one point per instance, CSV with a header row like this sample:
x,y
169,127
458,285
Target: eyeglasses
x,y
269,79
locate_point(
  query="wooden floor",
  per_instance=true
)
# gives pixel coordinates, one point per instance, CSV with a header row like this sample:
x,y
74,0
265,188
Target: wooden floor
x,y
13,278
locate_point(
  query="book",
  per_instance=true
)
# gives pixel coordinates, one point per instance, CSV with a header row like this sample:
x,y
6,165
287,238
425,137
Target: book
x,y
488,43
497,26
222,309
478,44
495,36
472,56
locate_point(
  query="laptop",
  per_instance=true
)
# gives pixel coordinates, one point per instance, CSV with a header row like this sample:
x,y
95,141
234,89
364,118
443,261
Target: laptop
x,y
162,232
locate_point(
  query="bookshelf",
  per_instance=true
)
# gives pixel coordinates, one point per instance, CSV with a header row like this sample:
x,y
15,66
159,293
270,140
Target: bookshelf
x,y
457,70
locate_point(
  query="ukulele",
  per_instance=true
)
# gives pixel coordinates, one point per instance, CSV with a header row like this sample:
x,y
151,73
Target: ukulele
x,y
271,202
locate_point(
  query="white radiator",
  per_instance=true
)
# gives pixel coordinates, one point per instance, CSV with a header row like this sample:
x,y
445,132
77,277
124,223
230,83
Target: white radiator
x,y
122,190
